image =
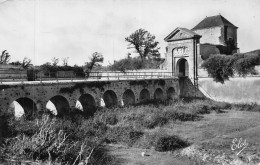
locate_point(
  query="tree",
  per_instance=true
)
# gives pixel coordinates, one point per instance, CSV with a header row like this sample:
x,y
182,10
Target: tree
x,y
95,60
5,57
144,43
26,63
65,61
55,61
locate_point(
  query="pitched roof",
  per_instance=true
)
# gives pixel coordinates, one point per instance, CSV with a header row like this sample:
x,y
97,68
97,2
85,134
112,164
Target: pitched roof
x,y
213,21
188,33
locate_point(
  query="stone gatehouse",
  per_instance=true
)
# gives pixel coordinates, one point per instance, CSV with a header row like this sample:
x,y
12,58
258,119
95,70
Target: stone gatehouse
x,y
188,48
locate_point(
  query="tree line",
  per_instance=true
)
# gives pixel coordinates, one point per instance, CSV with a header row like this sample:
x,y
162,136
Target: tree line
x,y
141,42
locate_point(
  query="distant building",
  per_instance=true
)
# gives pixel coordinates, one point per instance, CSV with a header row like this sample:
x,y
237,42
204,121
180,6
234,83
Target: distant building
x,y
12,72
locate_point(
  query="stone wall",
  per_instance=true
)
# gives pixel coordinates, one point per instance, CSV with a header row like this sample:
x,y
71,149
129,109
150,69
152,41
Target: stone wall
x,y
187,88
211,35
236,90
232,33
11,72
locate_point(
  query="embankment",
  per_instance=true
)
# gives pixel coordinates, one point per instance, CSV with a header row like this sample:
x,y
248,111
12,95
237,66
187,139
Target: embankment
x,y
236,90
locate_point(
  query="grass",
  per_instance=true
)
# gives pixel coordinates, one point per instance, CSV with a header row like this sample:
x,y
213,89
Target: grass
x,y
164,127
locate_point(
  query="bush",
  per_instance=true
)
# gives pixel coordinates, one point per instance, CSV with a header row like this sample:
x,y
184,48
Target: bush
x,y
135,64
254,107
219,67
127,135
170,143
222,67
154,120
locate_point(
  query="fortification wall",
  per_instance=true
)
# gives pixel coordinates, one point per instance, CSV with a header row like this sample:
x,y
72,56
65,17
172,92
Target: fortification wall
x,y
236,90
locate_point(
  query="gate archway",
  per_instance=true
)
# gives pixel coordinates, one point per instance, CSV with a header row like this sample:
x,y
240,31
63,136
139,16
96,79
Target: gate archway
x,y
182,67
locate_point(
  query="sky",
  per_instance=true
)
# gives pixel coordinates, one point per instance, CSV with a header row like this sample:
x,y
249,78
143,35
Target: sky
x,y
43,29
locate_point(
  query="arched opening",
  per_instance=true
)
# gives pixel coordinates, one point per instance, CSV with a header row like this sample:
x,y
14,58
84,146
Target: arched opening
x,y
87,104
24,107
58,105
182,68
158,94
128,97
144,95
110,99
170,93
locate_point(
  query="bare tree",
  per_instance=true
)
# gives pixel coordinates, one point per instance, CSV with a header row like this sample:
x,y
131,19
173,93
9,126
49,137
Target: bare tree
x,y
5,57
65,61
144,43
55,61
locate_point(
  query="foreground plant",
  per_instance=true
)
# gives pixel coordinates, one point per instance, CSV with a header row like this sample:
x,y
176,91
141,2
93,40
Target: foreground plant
x,y
47,143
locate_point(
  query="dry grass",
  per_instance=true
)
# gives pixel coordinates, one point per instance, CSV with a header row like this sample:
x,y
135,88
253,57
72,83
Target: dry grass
x,y
145,126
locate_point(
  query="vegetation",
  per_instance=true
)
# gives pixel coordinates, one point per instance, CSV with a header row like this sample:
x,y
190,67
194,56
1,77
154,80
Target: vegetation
x,y
135,63
222,67
5,57
144,43
73,139
48,68
95,60
25,64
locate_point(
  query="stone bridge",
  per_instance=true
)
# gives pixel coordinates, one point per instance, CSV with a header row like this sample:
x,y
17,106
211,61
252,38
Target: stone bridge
x,y
34,96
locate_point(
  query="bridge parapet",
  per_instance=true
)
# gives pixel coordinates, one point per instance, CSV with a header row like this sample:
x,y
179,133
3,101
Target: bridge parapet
x,y
96,76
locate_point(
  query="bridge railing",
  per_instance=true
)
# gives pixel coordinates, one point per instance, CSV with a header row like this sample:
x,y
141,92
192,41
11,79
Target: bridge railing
x,y
128,75
102,75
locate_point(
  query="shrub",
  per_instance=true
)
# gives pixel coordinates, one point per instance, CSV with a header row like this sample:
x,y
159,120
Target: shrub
x,y
247,107
153,120
222,67
127,135
181,113
219,67
170,143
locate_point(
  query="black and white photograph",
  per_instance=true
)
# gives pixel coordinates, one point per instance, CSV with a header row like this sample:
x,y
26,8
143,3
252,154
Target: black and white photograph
x,y
129,82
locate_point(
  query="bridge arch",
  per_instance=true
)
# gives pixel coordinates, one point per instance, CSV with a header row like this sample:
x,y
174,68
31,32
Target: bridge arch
x,y
158,94
128,97
24,106
58,105
110,99
170,93
144,95
87,104
182,67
